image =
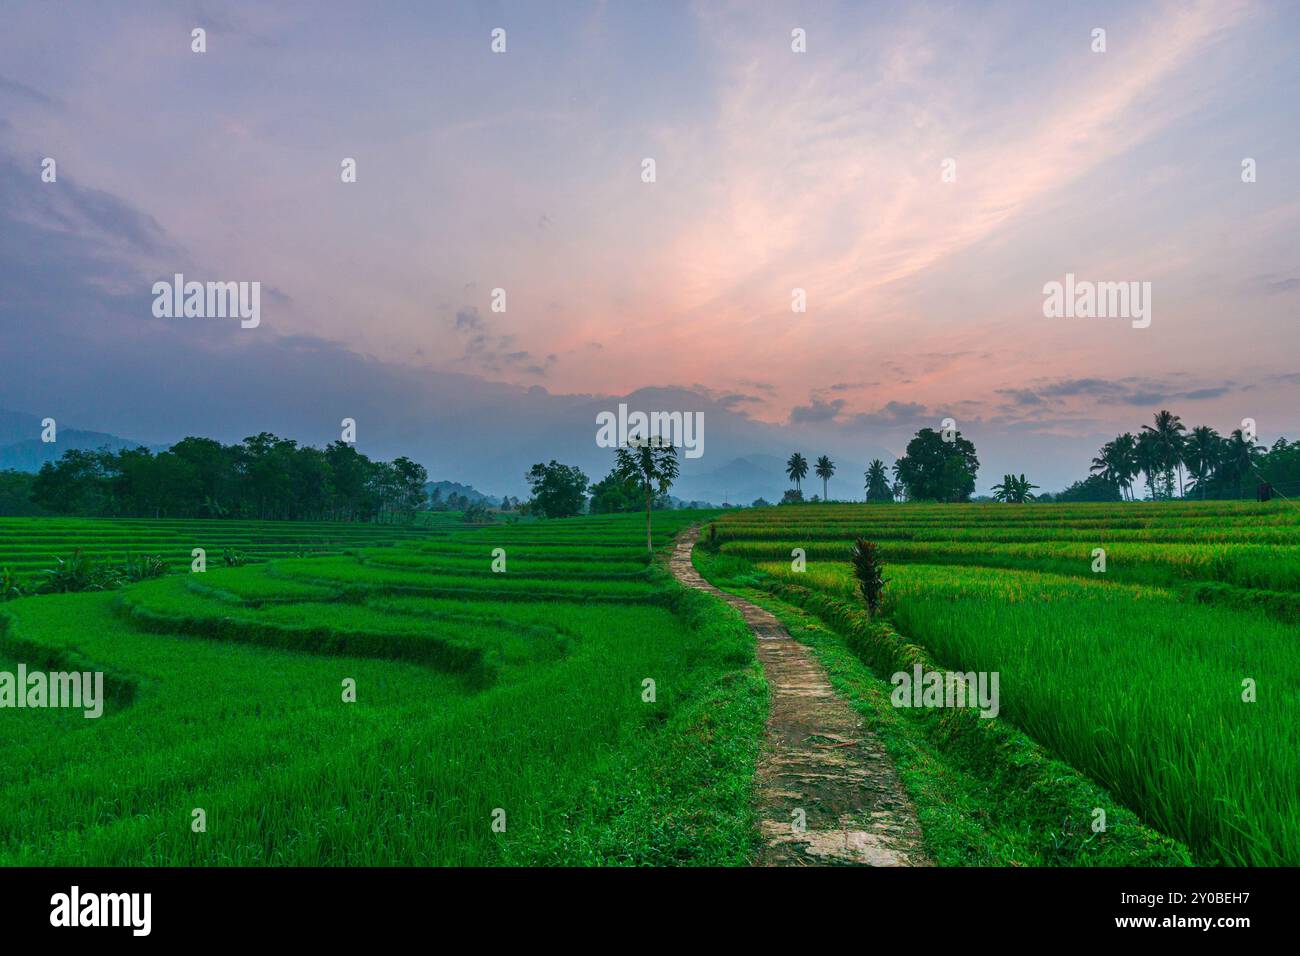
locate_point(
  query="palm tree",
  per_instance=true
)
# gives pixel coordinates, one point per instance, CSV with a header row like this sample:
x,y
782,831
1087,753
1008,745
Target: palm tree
x,y
1106,465
1168,440
652,465
796,469
1126,463
1201,453
1147,459
1239,457
825,468
878,482
1014,490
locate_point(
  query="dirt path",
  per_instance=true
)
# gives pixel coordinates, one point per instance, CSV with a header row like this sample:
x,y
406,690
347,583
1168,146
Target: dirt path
x,y
817,758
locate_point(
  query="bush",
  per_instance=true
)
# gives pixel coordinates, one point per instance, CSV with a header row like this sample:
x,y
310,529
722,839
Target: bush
x,y
10,586
78,573
143,567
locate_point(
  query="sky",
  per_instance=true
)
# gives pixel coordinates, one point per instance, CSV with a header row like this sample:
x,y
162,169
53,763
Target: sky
x,y
775,170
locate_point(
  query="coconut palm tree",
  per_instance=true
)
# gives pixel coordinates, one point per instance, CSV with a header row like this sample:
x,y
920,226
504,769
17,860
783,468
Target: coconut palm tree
x,y
1201,453
1147,459
1107,466
1126,462
825,468
1168,440
877,479
796,469
1239,457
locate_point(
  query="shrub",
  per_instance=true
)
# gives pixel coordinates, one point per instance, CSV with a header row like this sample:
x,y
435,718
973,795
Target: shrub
x,y
10,586
78,573
868,568
233,559
143,567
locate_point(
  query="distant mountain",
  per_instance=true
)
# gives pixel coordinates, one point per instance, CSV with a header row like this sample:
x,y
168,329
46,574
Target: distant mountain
x,y
449,488
738,482
21,448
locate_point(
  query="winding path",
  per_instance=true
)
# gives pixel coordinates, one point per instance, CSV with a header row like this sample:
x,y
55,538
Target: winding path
x,y
817,757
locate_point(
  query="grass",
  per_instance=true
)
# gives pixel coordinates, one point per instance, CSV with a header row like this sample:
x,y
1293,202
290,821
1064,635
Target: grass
x,y
526,691
523,693
985,794
1134,676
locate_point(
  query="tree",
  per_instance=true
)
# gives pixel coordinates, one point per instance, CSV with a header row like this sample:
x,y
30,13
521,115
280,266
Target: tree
x,y
16,496
559,491
1202,453
1240,458
1148,462
796,469
1092,488
1105,466
825,468
1167,446
877,479
75,484
1014,490
1117,463
933,469
868,568
761,503
613,495
652,466
792,496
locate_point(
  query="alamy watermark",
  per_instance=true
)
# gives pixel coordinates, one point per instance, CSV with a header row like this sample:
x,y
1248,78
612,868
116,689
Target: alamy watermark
x,y
922,688
208,300
683,430
1098,300
82,690
75,908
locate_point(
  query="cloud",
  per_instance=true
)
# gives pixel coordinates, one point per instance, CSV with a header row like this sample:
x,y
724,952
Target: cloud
x,y
1130,390
1021,396
816,411
894,414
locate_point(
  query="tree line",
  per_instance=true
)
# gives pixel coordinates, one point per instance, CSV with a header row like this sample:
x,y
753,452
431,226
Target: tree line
x,y
1175,461
264,477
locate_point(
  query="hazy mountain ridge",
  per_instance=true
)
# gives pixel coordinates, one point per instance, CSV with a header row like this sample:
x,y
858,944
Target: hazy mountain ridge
x,y
21,448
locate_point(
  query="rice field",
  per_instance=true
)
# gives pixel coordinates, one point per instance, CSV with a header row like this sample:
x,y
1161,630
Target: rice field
x,y
1140,675
29,545
399,705
545,693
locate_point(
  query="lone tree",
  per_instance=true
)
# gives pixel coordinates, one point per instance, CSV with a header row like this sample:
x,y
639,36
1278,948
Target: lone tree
x,y
652,466
938,469
796,469
825,468
559,491
877,479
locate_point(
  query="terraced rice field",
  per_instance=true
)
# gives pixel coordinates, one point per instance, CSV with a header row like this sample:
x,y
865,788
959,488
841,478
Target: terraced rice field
x,y
576,707
1139,675
28,545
